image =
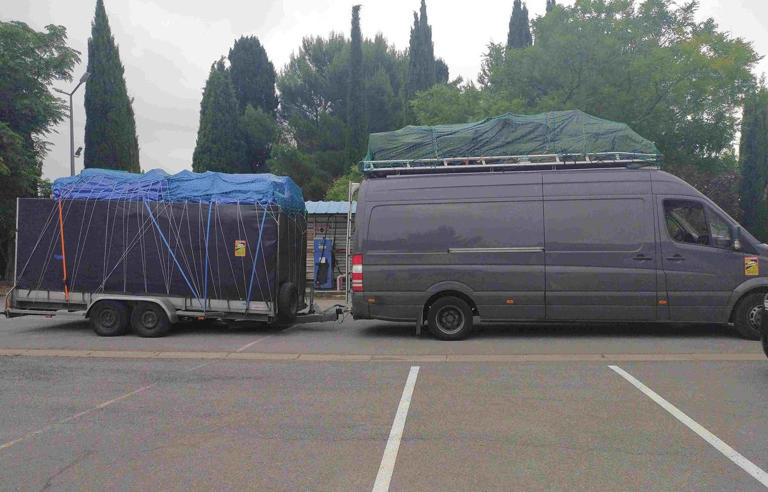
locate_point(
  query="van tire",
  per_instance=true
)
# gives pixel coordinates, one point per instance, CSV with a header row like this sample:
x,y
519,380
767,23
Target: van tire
x,y
287,304
746,316
450,318
109,318
149,320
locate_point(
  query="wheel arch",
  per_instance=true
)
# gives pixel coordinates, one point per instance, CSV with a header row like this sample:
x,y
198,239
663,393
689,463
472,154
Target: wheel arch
x,y
165,305
444,289
756,285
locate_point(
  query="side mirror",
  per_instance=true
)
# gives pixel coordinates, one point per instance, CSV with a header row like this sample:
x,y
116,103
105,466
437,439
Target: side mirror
x,y
736,238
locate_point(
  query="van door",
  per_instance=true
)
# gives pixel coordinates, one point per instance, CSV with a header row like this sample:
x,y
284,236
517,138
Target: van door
x,y
700,267
600,258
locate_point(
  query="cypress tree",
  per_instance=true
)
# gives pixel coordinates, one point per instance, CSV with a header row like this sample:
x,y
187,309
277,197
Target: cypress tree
x,y
355,96
220,146
551,4
421,54
519,35
753,159
253,75
110,128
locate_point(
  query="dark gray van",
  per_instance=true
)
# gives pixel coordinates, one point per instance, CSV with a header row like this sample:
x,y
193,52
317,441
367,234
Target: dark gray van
x,y
551,245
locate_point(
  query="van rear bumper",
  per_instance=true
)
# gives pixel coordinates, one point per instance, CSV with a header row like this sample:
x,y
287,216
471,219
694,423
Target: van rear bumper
x,y
368,305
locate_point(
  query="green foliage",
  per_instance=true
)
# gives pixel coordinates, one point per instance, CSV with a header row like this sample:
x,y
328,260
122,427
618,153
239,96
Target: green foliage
x,y
551,4
753,157
253,75
339,190
519,35
287,160
355,91
258,131
220,143
421,54
675,81
110,129
30,61
316,100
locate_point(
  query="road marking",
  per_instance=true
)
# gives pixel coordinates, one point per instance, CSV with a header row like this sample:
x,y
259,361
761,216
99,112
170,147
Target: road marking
x,y
757,473
92,409
413,358
396,434
244,347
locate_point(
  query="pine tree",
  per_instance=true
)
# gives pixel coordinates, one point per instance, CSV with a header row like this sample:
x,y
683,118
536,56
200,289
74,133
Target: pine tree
x,y
519,35
355,96
753,157
110,128
551,4
220,146
253,75
421,63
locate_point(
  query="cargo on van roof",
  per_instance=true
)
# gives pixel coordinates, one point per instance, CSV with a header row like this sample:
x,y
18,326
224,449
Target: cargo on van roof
x,y
559,137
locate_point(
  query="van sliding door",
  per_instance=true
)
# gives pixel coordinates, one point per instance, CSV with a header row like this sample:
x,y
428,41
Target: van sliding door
x,y
600,258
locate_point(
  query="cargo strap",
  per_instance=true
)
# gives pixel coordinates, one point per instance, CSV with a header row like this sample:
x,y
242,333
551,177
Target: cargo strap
x,y
63,254
255,257
170,250
207,237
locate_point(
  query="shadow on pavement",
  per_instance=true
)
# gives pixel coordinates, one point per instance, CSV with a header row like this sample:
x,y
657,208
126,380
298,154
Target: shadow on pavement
x,y
554,330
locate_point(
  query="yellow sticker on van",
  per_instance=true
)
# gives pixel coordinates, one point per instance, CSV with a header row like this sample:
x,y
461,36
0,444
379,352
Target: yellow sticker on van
x,y
239,248
751,266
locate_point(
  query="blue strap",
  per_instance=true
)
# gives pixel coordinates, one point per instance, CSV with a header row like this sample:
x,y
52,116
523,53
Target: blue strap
x,y
207,237
255,257
167,245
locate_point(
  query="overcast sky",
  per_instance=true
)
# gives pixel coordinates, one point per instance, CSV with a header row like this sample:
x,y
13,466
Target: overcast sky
x,y
167,48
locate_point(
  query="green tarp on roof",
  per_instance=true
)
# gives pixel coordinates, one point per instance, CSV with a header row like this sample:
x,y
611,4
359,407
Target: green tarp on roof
x,y
557,132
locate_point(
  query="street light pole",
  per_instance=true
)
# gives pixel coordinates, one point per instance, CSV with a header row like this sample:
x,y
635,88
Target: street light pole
x,y
72,122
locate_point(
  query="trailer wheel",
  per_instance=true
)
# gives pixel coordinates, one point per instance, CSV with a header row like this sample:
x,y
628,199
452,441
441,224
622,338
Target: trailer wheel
x,y
287,303
748,314
450,318
109,318
149,320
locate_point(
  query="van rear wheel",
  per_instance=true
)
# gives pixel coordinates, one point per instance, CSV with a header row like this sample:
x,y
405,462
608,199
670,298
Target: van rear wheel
x,y
450,318
748,315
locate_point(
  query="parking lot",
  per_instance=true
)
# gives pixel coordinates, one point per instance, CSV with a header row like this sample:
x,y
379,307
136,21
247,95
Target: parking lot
x,y
369,405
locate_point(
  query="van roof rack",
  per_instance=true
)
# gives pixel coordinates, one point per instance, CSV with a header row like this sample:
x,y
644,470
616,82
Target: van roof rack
x,y
509,163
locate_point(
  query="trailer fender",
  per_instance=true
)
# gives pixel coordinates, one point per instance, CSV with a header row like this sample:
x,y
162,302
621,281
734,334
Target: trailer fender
x,y
165,304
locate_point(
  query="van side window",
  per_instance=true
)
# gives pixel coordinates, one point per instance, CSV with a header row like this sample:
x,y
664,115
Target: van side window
x,y
688,222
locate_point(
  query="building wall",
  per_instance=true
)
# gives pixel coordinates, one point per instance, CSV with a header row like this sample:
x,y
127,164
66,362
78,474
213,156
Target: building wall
x,y
336,227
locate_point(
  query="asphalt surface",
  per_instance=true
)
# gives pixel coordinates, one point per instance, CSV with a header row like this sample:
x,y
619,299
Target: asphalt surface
x,y
312,408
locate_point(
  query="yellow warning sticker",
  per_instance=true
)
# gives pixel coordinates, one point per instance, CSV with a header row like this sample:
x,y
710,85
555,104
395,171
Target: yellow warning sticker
x,y
239,247
751,266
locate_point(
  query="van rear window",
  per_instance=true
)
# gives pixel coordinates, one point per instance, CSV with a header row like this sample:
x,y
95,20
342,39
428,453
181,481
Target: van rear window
x,y
435,227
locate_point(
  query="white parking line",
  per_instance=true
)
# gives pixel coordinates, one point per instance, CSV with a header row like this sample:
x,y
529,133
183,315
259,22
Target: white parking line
x,y
757,473
396,434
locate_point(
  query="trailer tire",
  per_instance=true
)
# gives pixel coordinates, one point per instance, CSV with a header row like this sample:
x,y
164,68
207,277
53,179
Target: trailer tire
x,y
109,318
287,303
149,320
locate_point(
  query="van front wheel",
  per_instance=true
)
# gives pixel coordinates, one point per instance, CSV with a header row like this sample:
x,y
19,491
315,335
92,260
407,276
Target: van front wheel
x,y
450,318
748,315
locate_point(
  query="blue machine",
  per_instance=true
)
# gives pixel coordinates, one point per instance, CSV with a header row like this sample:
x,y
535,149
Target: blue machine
x,y
323,263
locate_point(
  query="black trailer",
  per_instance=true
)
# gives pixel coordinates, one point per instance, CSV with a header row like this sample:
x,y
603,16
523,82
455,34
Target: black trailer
x,y
145,251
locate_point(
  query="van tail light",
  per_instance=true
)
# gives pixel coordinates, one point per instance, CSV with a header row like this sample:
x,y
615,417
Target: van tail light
x,y
357,273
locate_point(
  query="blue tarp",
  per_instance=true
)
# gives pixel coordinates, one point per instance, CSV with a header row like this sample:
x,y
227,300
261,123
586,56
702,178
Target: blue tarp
x,y
157,185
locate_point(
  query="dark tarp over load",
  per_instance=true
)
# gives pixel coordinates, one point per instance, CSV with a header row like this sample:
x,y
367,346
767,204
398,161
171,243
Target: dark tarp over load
x,y
558,132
